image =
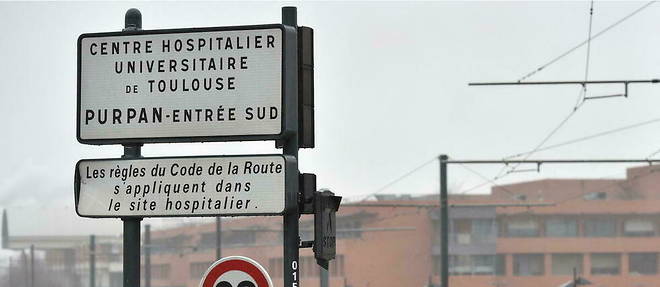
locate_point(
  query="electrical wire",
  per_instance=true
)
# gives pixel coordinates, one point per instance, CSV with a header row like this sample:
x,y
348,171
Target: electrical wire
x,y
580,102
403,176
566,143
571,50
511,193
653,153
596,135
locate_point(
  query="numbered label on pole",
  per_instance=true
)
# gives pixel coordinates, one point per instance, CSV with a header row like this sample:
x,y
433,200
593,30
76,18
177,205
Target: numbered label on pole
x,y
236,271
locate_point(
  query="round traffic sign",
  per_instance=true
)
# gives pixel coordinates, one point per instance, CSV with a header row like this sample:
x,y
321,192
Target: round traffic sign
x,y
236,271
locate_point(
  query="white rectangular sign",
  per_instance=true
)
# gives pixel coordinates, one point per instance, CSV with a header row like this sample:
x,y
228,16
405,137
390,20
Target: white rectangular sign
x,y
202,84
183,186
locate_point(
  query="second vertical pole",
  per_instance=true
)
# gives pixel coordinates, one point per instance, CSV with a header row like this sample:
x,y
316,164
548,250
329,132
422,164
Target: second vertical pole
x,y
147,255
132,234
32,265
291,254
444,223
218,238
132,22
92,261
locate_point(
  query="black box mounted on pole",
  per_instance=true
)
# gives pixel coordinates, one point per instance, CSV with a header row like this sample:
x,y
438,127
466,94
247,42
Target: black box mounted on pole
x,y
307,191
305,88
326,205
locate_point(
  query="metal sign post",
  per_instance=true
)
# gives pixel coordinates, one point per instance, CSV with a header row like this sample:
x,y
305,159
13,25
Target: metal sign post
x,y
290,147
131,240
444,221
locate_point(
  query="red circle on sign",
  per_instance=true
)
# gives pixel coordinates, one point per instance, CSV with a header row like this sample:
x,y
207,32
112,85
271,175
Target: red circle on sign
x,y
236,263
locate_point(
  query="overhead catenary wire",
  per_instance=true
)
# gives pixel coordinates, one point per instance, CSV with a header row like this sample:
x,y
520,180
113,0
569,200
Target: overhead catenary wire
x,y
573,49
403,176
583,93
653,153
520,81
578,104
592,136
511,193
554,146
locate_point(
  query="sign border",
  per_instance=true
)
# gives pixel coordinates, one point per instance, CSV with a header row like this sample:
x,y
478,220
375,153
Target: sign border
x,y
245,259
290,178
289,66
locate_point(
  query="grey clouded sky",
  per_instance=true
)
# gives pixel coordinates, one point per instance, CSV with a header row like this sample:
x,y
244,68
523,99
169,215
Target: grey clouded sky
x,y
391,91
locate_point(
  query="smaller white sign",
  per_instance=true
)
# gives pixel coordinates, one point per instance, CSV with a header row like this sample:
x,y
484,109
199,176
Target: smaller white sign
x,y
183,186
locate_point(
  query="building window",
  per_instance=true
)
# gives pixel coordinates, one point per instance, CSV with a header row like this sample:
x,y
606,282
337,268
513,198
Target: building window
x,y
600,228
528,264
160,271
500,264
207,240
239,238
523,228
473,265
483,230
348,228
561,227
463,230
197,269
174,244
483,264
643,263
638,227
563,264
460,265
605,263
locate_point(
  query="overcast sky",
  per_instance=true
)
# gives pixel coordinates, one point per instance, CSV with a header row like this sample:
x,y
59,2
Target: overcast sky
x,y
391,92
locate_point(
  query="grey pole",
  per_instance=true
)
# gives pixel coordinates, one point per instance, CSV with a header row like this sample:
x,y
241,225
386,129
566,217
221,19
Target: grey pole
x,y
218,238
291,258
92,261
444,223
147,255
325,278
132,22
32,265
26,272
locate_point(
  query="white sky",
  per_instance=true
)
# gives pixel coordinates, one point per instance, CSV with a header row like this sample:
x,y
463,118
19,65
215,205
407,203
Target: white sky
x,y
391,92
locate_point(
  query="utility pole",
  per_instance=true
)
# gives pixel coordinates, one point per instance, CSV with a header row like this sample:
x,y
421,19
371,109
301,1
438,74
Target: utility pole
x,y
132,22
147,255
444,223
32,265
26,272
9,273
290,145
92,261
218,238
325,277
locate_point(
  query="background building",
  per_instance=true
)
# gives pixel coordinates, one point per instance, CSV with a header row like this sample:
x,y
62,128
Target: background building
x,y
607,230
